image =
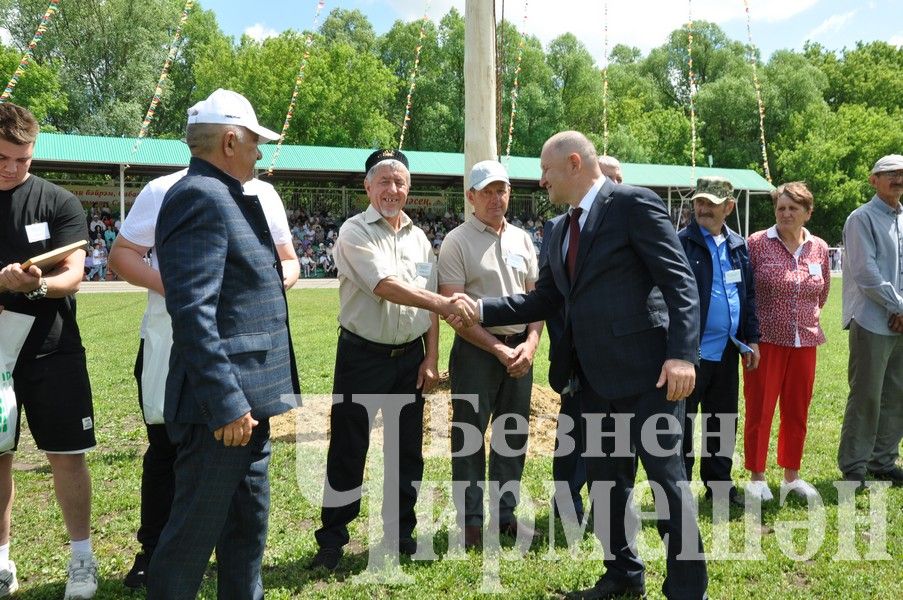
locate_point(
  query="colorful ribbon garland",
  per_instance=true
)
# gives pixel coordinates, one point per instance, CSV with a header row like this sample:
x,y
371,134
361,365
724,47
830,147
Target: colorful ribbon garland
x,y
29,54
761,105
692,78
409,103
516,87
605,82
158,91
308,42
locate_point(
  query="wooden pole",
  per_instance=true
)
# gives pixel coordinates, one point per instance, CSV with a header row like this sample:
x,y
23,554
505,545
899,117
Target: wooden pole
x,y
479,86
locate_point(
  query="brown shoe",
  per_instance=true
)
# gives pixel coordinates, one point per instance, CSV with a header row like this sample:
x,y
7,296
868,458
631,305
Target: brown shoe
x,y
473,537
511,529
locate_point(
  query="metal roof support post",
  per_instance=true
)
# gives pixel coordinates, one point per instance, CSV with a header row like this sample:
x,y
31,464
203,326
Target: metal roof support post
x,y
121,193
746,216
344,201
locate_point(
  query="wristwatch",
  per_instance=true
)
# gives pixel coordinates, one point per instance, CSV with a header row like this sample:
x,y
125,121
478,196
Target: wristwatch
x,y
38,293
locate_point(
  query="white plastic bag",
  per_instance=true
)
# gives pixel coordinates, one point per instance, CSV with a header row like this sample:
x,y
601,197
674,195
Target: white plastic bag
x,y
155,367
14,328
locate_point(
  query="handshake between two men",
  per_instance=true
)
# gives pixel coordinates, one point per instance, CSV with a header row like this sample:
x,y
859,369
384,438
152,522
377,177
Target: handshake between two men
x,y
460,310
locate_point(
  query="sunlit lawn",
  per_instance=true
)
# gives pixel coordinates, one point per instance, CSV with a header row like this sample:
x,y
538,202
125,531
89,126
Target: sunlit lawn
x,y
109,324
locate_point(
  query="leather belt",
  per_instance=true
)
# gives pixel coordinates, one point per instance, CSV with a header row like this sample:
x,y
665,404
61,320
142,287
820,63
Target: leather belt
x,y
376,348
513,339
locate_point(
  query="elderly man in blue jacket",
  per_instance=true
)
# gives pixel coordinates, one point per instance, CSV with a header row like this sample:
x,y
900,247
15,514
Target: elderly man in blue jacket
x,y
232,365
729,328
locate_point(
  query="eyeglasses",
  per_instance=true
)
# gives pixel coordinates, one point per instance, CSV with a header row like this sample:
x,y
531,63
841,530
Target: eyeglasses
x,y
893,174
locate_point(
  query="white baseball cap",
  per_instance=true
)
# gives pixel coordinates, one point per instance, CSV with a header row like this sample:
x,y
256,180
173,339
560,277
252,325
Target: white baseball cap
x,y
485,172
891,162
226,107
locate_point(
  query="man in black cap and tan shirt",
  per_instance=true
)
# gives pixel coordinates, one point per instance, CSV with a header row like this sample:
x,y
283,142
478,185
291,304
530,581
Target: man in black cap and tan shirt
x,y
491,369
388,345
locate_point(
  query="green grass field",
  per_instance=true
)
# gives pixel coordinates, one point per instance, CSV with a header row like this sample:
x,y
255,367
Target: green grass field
x,y
109,324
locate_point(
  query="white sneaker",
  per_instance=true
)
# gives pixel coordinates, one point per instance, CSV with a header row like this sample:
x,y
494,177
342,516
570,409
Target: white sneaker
x,y
8,582
759,489
82,583
799,487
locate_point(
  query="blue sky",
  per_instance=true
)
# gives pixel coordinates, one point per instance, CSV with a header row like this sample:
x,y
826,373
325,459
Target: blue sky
x,y
775,24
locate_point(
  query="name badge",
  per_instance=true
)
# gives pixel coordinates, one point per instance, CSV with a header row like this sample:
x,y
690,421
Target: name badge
x,y
516,262
37,232
424,269
815,269
732,276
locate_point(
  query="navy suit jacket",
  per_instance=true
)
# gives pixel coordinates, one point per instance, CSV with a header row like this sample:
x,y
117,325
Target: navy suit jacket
x,y
231,350
633,302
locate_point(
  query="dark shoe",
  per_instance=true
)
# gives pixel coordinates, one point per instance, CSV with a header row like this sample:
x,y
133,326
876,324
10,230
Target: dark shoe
x,y
407,546
473,537
895,476
607,588
326,558
511,529
734,497
860,479
136,578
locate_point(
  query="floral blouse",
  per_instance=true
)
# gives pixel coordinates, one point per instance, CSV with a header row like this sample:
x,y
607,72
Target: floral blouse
x,y
791,288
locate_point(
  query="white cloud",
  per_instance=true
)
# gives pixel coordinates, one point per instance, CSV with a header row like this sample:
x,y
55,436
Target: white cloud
x,y
896,40
645,24
832,23
260,32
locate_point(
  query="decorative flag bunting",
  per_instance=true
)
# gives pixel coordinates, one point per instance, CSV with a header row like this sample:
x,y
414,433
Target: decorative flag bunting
x,y
158,91
515,87
605,81
29,53
408,104
308,42
752,61
692,95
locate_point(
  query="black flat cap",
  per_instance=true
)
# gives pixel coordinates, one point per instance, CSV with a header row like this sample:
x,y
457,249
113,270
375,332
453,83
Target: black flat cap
x,y
381,155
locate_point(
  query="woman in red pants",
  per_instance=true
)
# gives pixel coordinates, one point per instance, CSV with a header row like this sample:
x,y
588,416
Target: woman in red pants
x,y
792,276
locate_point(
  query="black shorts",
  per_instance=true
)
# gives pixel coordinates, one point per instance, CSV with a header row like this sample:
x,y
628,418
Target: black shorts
x,y
56,394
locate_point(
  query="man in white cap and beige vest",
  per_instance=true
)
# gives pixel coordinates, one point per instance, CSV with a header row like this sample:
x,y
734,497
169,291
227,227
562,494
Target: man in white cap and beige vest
x,y
873,312
491,369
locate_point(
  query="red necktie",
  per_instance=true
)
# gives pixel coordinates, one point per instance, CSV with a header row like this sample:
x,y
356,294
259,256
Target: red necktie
x,y
573,241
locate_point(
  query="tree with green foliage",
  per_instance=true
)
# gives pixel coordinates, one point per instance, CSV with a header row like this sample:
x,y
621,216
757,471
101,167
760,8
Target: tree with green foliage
x,y
38,90
108,54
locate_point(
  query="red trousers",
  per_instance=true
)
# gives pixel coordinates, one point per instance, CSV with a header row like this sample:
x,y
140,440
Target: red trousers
x,y
788,373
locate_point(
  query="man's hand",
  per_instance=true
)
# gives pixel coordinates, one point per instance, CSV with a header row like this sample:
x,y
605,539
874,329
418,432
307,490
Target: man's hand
x,y
238,432
751,359
896,323
427,375
15,279
461,310
680,377
523,359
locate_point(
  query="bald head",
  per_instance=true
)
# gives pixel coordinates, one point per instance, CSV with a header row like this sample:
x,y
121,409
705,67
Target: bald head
x,y
569,167
611,168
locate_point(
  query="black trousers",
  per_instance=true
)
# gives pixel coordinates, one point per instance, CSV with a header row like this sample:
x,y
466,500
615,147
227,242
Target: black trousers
x,y
611,480
570,467
158,479
367,379
716,393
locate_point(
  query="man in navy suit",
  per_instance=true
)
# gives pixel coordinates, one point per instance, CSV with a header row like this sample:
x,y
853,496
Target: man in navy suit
x,y
232,365
631,326
568,466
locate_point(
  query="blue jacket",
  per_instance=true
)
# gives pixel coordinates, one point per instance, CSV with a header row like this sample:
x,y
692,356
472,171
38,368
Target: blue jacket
x,y
700,259
231,350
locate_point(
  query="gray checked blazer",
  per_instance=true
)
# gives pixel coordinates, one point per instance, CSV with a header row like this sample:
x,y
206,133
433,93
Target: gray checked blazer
x,y
232,352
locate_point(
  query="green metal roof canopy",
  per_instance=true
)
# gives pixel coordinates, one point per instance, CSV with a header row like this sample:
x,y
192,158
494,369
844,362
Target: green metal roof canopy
x,y
91,154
